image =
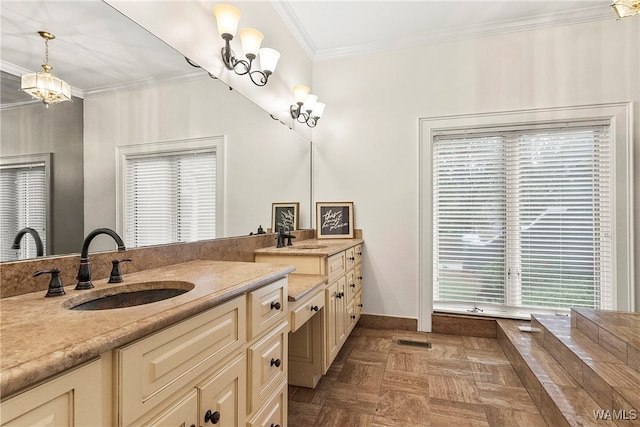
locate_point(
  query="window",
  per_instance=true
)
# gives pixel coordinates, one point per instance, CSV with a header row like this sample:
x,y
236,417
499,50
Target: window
x,y
526,212
522,217
24,183
169,192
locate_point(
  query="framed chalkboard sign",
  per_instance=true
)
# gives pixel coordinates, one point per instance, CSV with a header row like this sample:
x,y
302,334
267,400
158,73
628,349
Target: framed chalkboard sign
x,y
285,215
334,220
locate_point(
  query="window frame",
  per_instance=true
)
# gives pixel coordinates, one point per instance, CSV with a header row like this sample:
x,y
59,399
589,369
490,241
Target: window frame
x,y
169,147
617,115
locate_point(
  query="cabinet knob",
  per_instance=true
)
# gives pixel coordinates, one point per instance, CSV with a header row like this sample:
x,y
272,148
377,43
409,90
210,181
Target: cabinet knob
x,y
275,362
360,253
339,294
359,277
353,285
275,305
214,417
360,305
353,316
314,308
352,258
275,425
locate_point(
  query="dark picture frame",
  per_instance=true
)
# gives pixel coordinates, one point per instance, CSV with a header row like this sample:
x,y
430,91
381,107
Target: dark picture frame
x,y
334,220
285,214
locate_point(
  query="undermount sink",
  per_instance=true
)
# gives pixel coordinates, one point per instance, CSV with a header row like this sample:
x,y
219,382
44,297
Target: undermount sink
x,y
128,295
309,246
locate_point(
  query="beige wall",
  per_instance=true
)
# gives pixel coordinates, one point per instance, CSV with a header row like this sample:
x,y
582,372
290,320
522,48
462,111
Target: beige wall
x,y
366,146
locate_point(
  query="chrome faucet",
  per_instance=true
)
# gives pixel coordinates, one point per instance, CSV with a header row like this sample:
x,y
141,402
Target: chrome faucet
x,y
36,237
84,272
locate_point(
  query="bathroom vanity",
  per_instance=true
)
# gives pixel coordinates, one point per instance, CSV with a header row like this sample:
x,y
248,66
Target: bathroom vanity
x,y
322,318
217,353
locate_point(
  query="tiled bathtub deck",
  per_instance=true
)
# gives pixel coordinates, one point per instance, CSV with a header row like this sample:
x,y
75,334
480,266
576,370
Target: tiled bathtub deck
x,y
578,371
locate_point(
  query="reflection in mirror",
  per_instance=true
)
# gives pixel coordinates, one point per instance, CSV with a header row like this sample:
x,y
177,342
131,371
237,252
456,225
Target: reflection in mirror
x,y
261,161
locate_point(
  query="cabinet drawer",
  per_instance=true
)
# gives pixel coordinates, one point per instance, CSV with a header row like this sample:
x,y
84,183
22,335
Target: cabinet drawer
x,y
308,308
350,258
274,412
157,367
267,365
267,306
358,253
337,265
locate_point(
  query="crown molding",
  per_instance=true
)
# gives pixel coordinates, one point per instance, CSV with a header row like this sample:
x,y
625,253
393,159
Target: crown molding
x,y
587,14
293,23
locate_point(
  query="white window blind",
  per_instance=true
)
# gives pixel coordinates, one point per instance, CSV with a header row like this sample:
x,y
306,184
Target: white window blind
x,y
522,217
23,203
170,197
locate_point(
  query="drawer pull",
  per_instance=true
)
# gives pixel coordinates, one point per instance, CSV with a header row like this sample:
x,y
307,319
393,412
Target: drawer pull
x,y
360,305
352,258
360,253
214,417
339,294
275,362
275,425
275,305
314,308
353,285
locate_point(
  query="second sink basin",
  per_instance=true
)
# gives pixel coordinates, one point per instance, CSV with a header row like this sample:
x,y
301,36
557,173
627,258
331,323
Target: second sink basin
x,y
309,246
129,295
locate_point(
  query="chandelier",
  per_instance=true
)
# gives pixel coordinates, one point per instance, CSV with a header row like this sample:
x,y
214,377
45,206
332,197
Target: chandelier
x,y
624,8
43,85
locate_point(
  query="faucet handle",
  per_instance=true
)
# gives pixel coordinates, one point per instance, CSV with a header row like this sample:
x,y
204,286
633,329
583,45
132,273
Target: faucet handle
x,y
116,276
55,284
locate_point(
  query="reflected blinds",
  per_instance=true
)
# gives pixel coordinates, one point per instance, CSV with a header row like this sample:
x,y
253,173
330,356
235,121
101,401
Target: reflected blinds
x,y
170,197
522,217
23,203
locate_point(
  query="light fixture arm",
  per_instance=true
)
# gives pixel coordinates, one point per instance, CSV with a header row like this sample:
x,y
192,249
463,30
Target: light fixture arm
x,y
242,66
303,116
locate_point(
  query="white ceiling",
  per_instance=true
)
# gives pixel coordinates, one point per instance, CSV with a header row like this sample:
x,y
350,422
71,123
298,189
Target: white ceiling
x,y
96,48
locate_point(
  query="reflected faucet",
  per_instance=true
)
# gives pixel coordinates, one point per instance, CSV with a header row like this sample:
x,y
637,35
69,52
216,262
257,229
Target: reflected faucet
x,y
36,237
84,272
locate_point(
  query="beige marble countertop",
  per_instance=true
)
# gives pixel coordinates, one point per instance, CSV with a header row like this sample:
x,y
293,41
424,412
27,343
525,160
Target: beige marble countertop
x,y
311,247
301,284
41,338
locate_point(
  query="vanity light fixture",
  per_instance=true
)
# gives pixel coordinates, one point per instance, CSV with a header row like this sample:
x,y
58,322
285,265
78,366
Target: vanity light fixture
x,y
43,85
624,8
307,109
227,18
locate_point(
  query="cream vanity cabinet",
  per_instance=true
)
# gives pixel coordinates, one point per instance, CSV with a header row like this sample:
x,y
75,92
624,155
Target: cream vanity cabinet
x,y
226,366
73,398
342,304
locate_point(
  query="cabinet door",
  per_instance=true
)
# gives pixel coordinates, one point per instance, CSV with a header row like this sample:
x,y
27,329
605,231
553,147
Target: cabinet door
x,y
274,412
223,396
350,285
335,304
183,413
72,399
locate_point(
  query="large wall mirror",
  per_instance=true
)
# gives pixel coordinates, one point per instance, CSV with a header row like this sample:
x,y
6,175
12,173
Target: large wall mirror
x,y
102,55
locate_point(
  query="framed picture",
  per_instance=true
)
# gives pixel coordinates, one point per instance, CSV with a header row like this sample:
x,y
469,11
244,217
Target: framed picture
x,y
285,215
334,220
